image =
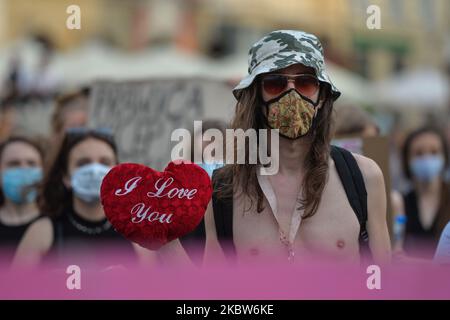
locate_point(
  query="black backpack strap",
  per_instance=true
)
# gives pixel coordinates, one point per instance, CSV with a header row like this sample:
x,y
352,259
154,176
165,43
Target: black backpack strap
x,y
354,186
223,218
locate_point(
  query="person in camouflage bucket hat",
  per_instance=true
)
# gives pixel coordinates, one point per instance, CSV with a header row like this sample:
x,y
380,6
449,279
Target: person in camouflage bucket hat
x,y
283,48
321,200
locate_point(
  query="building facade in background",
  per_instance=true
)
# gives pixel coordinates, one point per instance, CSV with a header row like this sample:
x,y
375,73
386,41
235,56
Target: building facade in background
x,y
413,32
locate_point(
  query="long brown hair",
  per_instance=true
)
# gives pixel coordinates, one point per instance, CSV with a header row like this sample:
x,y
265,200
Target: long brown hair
x,y
250,114
443,215
54,197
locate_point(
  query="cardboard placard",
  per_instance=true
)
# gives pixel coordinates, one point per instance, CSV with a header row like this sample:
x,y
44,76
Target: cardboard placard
x,y
143,114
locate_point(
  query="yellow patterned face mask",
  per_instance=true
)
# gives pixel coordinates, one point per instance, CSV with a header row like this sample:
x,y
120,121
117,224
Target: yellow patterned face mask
x,y
291,114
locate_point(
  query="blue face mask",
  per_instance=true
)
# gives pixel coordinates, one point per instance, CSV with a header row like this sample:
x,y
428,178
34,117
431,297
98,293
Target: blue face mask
x,y
17,184
426,168
210,167
87,180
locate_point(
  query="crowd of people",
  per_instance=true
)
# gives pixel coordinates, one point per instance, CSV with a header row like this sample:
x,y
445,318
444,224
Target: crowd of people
x,y
322,202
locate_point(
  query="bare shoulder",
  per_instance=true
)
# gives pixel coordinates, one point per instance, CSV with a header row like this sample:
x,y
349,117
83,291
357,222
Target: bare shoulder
x,y
39,234
370,170
36,242
42,224
377,229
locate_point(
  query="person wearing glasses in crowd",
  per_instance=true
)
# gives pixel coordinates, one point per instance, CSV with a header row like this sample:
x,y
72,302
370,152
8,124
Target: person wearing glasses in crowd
x,y
21,160
324,202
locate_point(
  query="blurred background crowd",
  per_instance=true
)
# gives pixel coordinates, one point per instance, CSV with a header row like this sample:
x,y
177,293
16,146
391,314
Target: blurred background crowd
x,y
394,81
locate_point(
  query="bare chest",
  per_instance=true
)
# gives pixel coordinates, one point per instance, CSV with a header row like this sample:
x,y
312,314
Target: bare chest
x,y
331,232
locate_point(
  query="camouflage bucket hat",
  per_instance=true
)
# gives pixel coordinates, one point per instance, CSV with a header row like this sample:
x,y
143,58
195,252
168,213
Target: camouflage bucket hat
x,y
282,48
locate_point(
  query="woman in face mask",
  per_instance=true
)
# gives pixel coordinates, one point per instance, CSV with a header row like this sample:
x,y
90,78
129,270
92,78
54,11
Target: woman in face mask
x,y
76,225
20,170
427,205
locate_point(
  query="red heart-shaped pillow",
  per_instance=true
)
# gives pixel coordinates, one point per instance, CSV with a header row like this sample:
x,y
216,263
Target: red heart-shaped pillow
x,y
152,208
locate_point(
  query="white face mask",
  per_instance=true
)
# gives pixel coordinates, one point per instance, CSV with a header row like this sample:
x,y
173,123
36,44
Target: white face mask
x,y
87,180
